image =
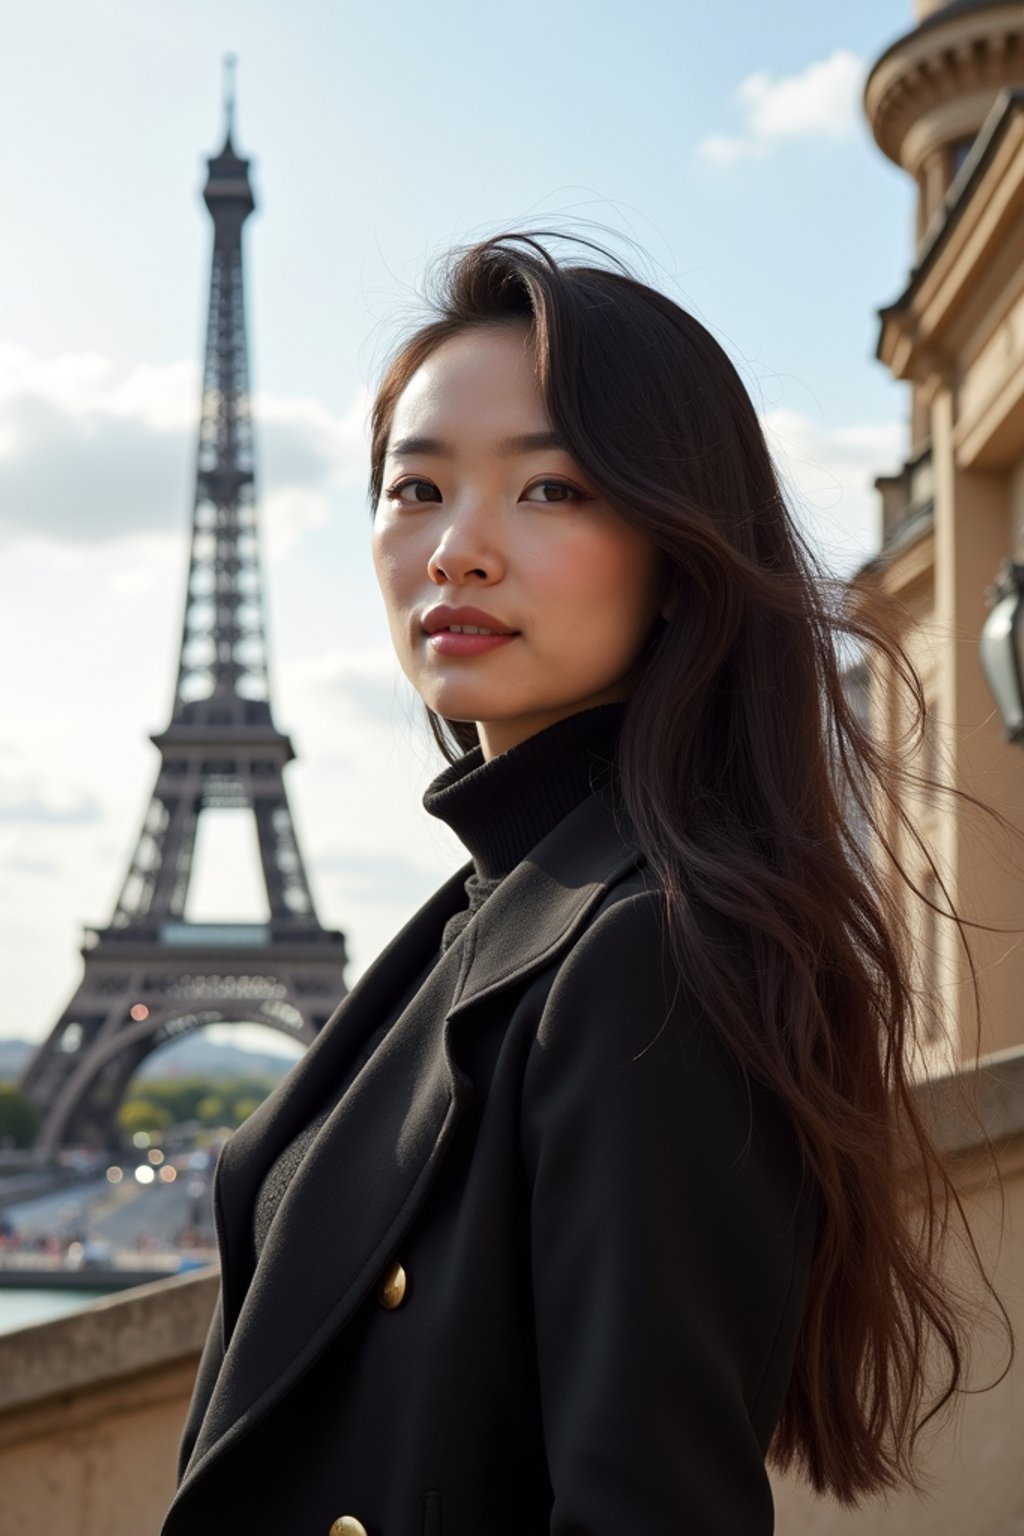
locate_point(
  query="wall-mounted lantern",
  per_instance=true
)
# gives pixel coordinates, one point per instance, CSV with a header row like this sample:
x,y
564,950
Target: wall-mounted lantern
x,y
1002,647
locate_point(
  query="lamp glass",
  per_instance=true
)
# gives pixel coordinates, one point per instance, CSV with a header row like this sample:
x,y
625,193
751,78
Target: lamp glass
x,y
1002,660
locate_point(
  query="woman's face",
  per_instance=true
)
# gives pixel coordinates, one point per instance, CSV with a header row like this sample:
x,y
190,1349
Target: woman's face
x,y
482,510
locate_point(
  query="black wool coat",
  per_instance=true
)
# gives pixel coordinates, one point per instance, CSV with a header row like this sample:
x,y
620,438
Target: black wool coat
x,y
542,1271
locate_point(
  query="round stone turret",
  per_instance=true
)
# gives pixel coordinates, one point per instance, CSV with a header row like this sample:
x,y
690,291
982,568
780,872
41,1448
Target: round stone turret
x,y
931,90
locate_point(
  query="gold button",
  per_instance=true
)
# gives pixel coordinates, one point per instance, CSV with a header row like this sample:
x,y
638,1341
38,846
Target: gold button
x,y
391,1291
347,1525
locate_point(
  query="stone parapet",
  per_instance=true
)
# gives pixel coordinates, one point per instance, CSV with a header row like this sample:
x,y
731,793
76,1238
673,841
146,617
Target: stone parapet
x,y
155,1325
92,1404
91,1410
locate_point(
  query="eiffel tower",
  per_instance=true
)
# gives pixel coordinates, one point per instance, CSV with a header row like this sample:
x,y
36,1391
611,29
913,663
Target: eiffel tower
x,y
151,976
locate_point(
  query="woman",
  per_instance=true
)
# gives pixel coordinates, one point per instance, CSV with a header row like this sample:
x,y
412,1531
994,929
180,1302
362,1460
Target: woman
x,y
587,1198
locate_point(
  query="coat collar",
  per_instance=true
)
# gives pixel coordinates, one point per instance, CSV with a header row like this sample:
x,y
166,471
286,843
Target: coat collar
x,y
391,1131
539,907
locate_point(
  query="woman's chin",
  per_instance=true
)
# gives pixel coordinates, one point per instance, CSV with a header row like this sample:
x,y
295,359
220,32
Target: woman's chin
x,y
463,705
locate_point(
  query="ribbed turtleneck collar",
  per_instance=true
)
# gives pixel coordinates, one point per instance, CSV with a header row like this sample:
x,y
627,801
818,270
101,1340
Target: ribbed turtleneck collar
x,y
502,808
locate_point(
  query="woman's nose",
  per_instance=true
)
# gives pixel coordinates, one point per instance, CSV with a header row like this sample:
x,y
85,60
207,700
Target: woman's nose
x,y
466,552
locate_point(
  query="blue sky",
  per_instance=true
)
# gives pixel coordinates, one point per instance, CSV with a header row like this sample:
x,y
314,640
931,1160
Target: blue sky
x,y
727,141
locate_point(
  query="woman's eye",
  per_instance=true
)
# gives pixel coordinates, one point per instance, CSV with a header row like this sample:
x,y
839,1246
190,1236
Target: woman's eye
x,y
413,490
552,491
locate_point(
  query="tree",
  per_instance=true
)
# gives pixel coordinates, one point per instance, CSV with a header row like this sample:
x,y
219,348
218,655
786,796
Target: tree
x,y
214,1101
142,1115
19,1120
211,1110
242,1108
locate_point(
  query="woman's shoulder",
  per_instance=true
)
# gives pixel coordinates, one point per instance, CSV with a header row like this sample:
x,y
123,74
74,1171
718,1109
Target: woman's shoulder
x,y
624,1037
618,990
621,995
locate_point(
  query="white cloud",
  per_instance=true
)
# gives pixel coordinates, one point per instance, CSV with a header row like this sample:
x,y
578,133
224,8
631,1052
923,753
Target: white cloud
x,y
829,473
30,801
369,681
71,380
165,397
143,574
31,793
87,456
25,861
299,424
821,100
724,150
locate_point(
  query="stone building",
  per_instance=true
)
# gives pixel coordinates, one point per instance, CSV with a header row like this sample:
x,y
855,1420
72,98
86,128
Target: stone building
x,y
946,103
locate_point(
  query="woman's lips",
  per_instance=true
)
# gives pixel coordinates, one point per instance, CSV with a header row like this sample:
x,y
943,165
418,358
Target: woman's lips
x,y
446,643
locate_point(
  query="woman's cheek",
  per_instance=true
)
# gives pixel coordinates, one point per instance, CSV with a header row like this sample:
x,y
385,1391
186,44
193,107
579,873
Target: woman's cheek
x,y
392,561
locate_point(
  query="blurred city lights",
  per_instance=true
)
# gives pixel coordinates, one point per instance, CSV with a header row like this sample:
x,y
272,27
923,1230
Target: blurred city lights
x,y
145,1174
139,1011
114,1175
140,1139
155,1155
168,1174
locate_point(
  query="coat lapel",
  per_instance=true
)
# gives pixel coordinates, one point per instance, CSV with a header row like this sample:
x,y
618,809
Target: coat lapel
x,y
540,907
368,1171
261,1138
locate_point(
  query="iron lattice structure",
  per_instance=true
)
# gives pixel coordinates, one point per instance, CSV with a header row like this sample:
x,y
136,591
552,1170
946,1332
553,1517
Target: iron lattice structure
x,y
151,975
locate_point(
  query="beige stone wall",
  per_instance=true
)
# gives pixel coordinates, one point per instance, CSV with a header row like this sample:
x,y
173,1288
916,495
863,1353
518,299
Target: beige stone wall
x,y
92,1405
973,1463
956,336
1015,542
91,1411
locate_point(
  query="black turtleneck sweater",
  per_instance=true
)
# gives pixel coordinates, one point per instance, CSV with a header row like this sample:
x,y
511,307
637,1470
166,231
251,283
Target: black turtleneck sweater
x,y
500,809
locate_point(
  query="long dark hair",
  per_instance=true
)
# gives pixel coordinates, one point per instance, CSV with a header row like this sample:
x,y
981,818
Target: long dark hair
x,y
754,786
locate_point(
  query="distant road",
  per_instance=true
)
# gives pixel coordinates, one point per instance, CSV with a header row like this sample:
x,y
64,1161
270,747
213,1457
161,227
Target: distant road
x,y
57,1214
159,1214
129,1216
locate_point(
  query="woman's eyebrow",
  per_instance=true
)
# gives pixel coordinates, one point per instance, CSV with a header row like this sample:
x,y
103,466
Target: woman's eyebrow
x,y
411,445
525,442
530,442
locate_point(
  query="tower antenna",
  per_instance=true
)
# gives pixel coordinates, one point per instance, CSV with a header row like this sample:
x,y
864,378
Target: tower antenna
x,y
230,61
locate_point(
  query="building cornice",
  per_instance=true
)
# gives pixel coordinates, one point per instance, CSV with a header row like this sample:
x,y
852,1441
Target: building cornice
x,y
983,199
904,561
